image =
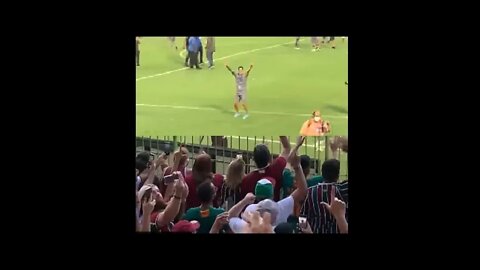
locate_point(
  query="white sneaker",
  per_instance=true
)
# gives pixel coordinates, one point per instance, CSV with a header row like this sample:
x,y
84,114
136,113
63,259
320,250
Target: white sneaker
x,y
245,116
236,114
297,48
313,49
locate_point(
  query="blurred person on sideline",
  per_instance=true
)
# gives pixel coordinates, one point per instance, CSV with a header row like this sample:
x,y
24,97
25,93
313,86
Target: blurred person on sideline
x,y
186,49
200,51
210,48
315,126
172,42
194,46
137,51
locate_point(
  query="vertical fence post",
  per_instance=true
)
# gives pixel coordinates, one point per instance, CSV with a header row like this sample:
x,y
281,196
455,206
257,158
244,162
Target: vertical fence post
x,y
223,157
315,154
174,143
191,152
305,146
247,161
327,148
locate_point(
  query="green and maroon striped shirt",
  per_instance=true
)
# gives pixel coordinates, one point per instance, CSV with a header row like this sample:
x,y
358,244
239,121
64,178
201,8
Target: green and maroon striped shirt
x,y
317,215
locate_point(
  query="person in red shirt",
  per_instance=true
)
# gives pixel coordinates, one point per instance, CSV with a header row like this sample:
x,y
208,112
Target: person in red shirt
x,y
201,172
267,168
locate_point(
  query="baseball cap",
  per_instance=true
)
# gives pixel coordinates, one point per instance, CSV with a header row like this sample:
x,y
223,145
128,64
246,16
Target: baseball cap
x,y
264,188
270,206
186,226
284,227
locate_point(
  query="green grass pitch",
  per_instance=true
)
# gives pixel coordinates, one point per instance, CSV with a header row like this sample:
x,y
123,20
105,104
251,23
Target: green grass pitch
x,y
284,87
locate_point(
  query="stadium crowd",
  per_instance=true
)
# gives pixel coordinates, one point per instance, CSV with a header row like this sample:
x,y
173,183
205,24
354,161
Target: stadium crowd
x,y
279,196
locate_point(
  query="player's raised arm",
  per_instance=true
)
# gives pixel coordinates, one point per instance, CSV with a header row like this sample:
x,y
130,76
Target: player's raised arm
x,y
233,73
248,71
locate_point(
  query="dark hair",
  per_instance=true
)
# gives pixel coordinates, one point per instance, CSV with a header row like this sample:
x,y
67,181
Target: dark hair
x,y
140,165
205,192
240,67
305,162
261,155
331,170
144,156
202,168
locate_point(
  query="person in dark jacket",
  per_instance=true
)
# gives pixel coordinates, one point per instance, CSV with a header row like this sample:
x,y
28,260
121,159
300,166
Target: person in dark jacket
x,y
186,48
193,49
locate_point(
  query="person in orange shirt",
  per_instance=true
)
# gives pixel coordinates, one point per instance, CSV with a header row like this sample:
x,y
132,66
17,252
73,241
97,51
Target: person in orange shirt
x,y
315,126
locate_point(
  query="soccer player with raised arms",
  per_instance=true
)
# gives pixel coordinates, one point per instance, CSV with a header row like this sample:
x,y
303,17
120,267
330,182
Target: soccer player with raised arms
x,y
241,89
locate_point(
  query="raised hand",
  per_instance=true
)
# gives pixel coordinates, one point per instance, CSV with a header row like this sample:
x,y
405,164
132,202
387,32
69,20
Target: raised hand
x,y
148,205
293,158
300,141
336,207
161,161
179,185
151,173
221,220
185,186
249,198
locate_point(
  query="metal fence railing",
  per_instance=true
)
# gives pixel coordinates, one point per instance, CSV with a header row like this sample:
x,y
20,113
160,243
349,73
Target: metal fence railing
x,y
223,149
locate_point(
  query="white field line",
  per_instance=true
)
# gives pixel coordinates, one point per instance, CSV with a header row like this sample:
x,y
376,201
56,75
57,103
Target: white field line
x,y
254,112
221,58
